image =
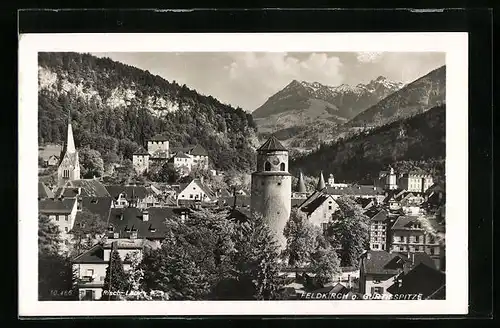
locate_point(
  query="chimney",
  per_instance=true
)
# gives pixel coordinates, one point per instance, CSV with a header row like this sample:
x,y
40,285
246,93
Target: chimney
x,y
145,215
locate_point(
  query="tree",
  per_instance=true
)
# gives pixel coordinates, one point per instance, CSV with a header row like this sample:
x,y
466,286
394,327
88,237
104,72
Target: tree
x,y
256,261
116,280
89,230
92,163
349,232
300,235
168,174
54,270
41,162
324,262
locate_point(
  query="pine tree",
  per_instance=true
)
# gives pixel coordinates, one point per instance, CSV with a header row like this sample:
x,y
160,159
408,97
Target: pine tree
x,y
116,279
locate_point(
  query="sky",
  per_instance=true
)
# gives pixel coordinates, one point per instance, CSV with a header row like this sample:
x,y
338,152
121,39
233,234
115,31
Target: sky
x,y
248,79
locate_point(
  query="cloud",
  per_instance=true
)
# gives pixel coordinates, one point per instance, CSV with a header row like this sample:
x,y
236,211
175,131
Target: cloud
x,y
369,57
256,76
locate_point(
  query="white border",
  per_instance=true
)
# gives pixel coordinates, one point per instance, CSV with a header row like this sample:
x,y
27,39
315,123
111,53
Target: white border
x,y
455,45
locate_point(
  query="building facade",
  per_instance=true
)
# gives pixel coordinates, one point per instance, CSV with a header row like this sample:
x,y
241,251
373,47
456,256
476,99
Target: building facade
x,y
69,166
415,181
272,187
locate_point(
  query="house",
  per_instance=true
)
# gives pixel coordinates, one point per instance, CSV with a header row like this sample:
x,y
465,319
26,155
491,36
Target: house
x,y
379,224
196,190
393,198
197,153
62,212
140,161
422,279
417,181
359,191
319,211
44,192
95,205
84,188
146,223
411,203
183,163
366,203
410,234
238,201
90,266
52,160
135,196
377,270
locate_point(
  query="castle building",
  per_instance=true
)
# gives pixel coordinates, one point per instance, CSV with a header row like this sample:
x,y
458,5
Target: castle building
x,y
158,147
140,161
272,187
416,181
69,165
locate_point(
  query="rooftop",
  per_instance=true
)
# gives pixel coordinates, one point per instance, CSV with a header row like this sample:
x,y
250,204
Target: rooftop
x,y
56,206
272,144
138,192
89,188
354,190
44,191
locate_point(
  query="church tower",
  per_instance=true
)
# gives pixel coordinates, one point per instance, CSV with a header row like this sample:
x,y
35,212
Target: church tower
x,y
272,187
391,182
69,165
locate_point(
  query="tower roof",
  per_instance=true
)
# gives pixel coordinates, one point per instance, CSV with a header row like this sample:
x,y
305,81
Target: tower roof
x,y
272,144
301,187
321,183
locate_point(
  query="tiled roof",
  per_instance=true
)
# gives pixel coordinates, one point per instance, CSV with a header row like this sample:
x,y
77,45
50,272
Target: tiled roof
x,y
89,187
141,151
181,155
159,137
125,220
381,215
312,206
297,201
418,257
354,190
241,201
198,151
377,263
364,202
138,192
311,198
421,279
44,191
56,206
97,205
93,255
393,194
272,144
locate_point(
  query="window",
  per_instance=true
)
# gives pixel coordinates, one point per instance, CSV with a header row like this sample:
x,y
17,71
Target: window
x,y
66,242
396,239
324,226
432,250
65,229
330,207
377,290
375,246
133,235
66,218
190,195
282,167
116,235
66,174
57,218
267,166
90,272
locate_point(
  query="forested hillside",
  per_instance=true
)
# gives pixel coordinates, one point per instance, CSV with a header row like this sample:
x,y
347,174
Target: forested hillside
x,y
115,108
415,142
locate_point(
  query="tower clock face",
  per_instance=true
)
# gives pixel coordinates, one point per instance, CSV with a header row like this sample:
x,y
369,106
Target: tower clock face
x,y
274,160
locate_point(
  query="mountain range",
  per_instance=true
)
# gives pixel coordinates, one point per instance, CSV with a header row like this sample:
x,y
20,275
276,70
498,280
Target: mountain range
x,y
304,114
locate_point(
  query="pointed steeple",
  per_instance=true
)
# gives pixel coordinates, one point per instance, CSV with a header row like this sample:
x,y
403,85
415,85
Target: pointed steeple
x,y
70,143
321,183
301,186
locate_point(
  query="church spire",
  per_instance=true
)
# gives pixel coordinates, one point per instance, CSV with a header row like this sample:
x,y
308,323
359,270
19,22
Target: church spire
x,y
321,183
301,186
70,143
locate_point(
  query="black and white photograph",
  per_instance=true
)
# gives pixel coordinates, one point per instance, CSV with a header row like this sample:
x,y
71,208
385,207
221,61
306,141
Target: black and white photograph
x,y
171,173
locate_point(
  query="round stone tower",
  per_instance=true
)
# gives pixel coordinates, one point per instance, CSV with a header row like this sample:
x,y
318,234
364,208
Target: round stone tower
x,y
272,187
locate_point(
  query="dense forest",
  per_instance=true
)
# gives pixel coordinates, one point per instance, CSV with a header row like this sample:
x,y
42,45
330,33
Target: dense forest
x,y
416,142
115,108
